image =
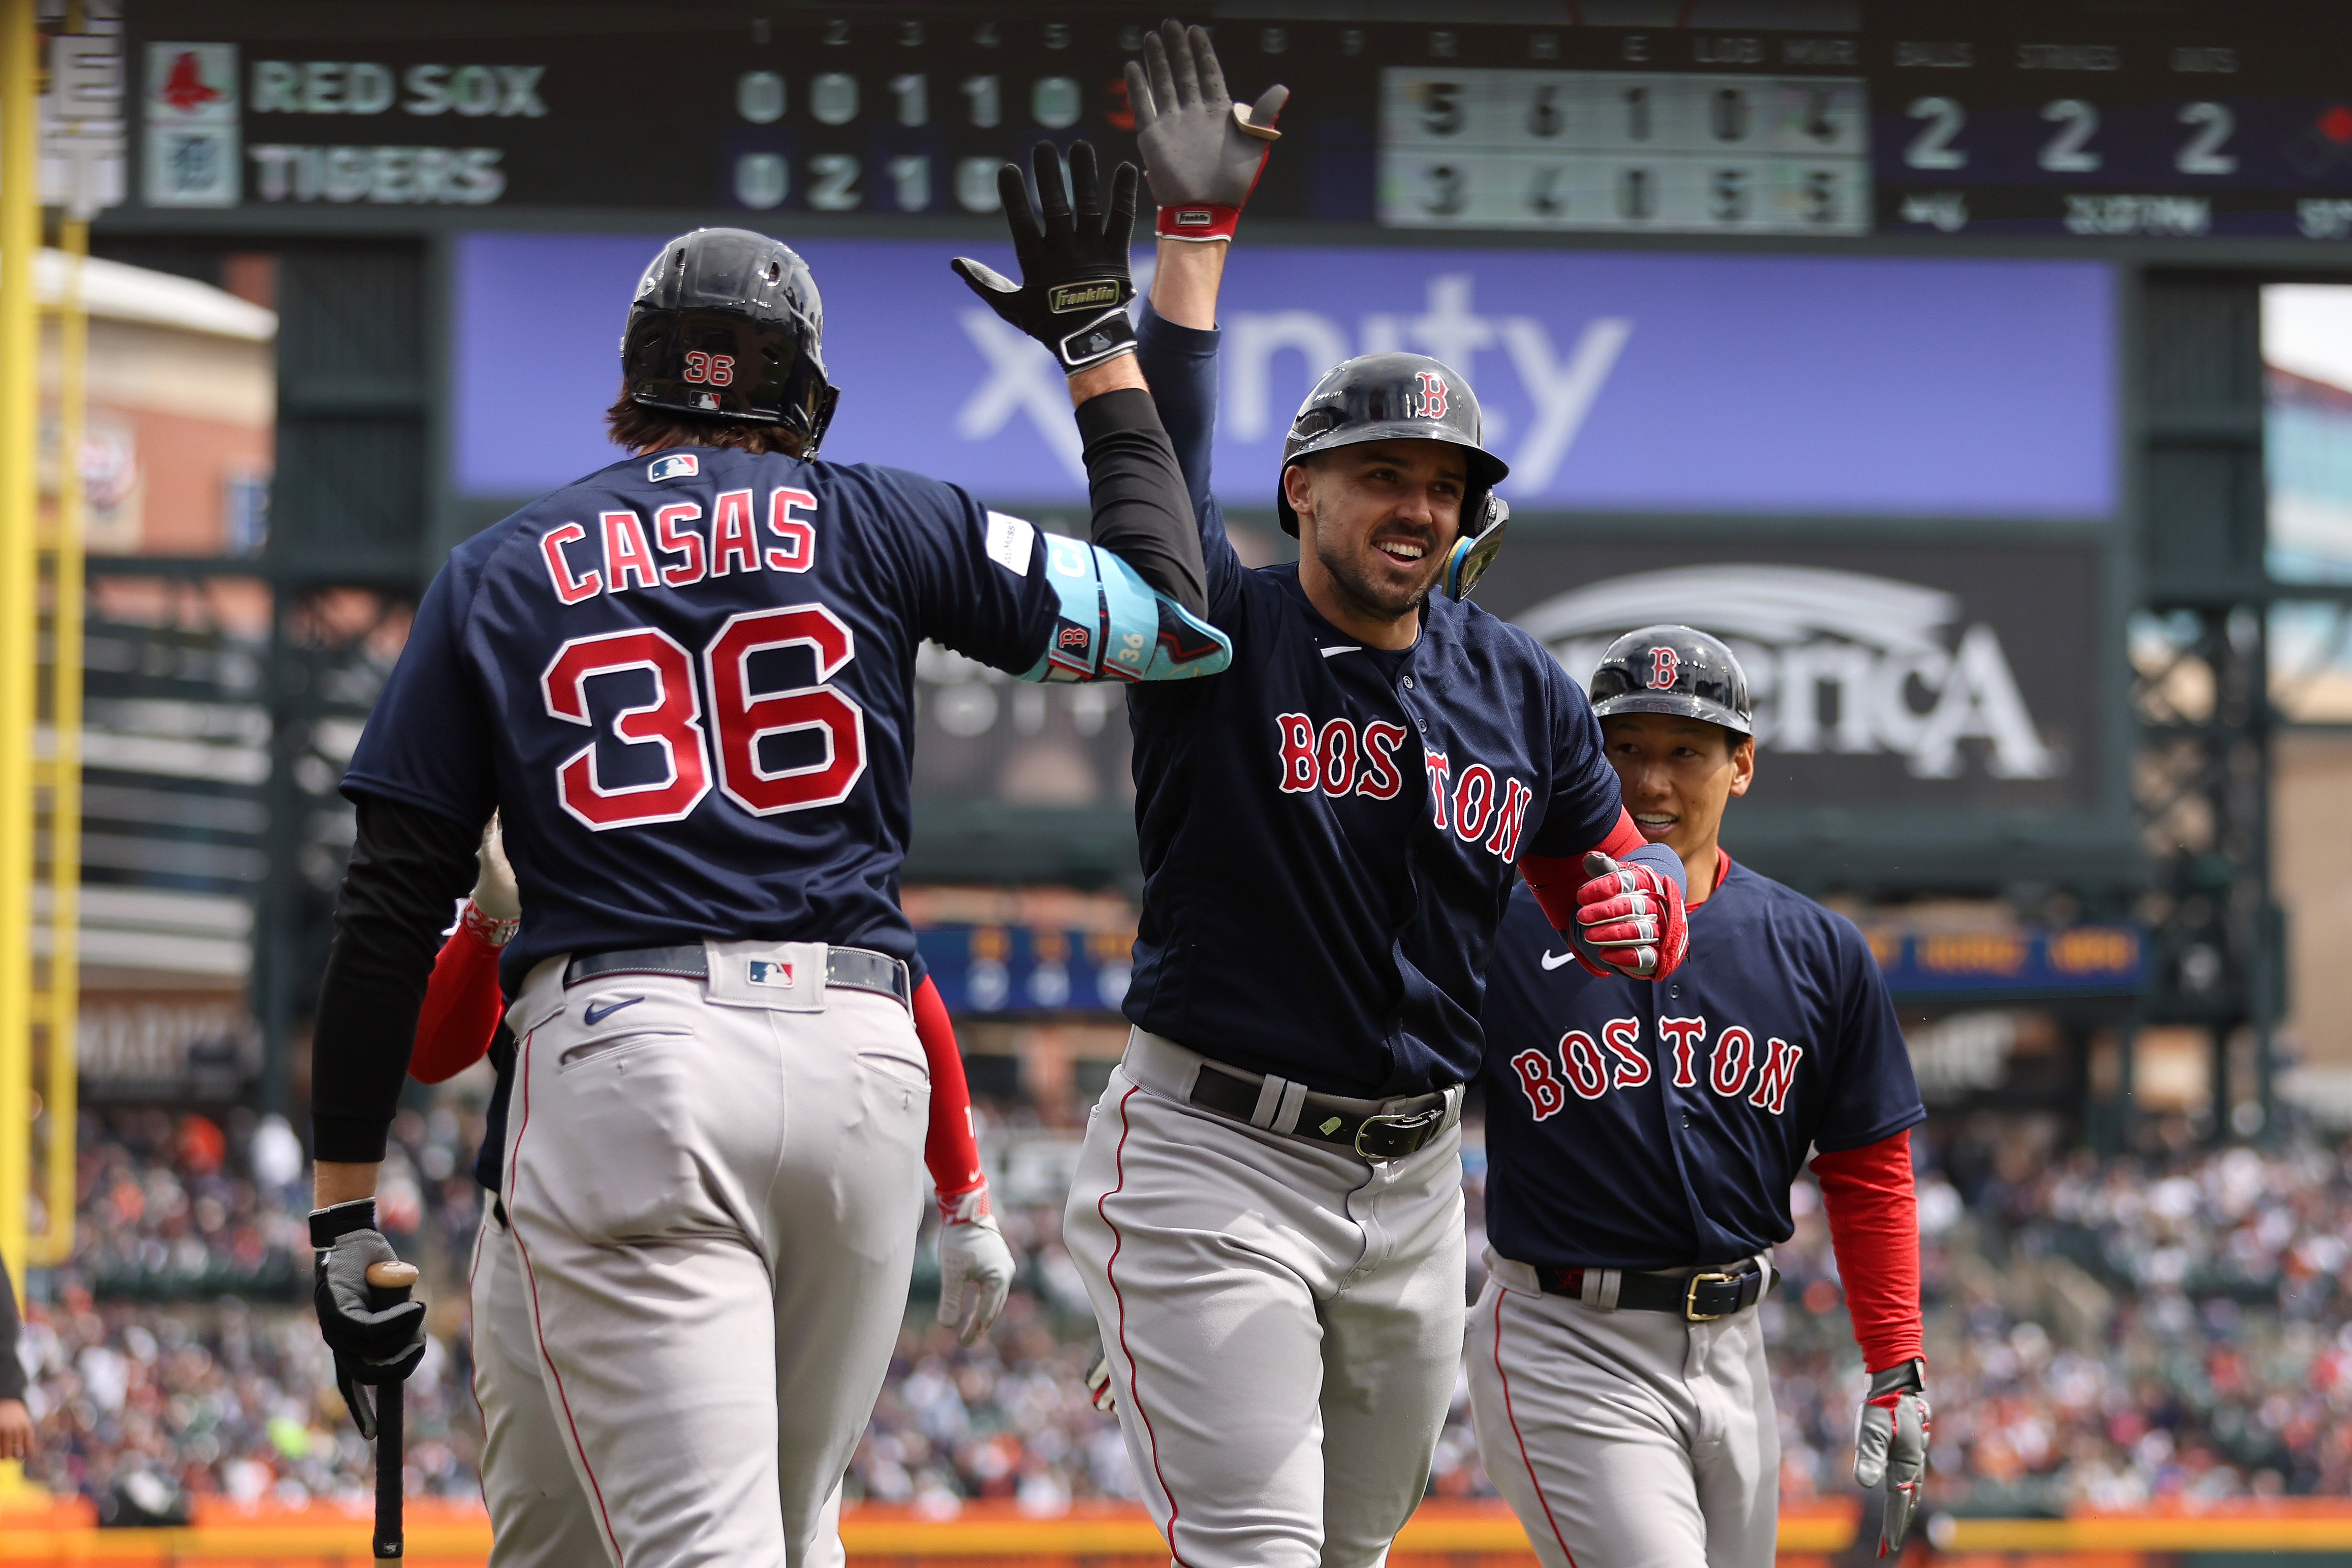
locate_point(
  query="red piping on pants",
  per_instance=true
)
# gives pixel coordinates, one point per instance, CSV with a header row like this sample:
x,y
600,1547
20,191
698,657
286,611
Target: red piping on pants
x,y
1513,1417
522,1068
1118,1241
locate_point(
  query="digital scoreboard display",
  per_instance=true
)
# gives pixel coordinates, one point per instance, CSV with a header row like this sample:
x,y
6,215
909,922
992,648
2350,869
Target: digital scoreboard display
x,y
1634,151
1830,118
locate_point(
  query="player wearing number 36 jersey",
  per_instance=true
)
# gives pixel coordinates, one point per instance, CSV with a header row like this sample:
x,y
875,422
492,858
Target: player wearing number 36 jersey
x,y
688,678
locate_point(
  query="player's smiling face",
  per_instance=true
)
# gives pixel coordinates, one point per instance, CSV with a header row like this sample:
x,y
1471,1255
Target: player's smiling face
x,y
1677,775
1375,521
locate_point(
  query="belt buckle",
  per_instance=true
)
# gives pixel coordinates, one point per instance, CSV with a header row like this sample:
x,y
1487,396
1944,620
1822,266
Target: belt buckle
x,y
1691,1314
1406,1125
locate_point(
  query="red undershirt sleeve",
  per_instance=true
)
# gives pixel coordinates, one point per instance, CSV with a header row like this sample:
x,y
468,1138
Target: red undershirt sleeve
x,y
461,1009
949,1149
1554,878
1873,1215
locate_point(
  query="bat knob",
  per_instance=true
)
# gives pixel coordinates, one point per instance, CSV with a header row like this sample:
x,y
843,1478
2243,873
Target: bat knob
x,y
390,1282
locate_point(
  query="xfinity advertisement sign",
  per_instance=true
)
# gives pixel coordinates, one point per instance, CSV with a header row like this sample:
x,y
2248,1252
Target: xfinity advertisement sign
x,y
1885,675
1739,385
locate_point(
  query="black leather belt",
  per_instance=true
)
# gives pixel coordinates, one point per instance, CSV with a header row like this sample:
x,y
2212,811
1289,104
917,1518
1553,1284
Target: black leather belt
x,y
1401,1129
1700,1297
851,968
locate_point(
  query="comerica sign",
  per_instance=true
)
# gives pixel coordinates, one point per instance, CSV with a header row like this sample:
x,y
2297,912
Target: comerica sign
x,y
1949,673
1840,662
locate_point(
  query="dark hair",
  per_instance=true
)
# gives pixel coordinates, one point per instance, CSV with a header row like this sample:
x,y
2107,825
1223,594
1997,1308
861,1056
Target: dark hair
x,y
633,425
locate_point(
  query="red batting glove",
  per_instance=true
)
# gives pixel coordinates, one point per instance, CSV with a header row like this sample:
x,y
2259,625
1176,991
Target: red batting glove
x,y
1630,920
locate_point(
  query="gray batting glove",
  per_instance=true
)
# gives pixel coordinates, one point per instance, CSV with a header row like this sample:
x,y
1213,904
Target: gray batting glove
x,y
975,1265
1202,152
1890,1445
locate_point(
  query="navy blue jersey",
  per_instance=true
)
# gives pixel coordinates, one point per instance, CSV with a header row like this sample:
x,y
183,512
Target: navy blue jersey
x,y
1329,831
687,681
1641,1125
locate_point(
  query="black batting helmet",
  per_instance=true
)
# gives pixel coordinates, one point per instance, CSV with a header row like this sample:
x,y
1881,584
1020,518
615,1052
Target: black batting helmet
x,y
727,324
1672,669
1393,397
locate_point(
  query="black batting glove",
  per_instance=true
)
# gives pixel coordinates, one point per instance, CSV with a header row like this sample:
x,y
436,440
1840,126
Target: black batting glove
x,y
370,1346
1074,283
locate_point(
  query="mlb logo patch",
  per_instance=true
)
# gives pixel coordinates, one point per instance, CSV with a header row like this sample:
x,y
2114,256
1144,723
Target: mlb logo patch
x,y
703,400
674,465
766,971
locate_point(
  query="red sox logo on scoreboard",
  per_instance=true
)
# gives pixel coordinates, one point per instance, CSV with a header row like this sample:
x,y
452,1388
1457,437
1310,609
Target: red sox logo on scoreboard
x,y
1616,1061
1340,758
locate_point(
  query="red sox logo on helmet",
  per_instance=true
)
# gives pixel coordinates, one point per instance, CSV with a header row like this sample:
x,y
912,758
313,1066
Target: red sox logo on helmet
x,y
1433,394
1663,661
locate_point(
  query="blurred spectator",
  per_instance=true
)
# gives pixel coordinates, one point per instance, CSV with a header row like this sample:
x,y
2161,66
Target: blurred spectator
x,y
141,1407
2100,1332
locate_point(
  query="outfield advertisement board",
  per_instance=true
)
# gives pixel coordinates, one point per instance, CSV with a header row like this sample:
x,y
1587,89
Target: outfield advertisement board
x,y
1716,384
1886,674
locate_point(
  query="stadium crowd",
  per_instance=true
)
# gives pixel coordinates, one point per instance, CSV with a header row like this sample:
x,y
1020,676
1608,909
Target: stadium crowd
x,y
2100,1332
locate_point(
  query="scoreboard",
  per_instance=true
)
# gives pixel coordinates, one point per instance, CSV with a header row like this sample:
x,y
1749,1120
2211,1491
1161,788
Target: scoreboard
x,y
1633,151
2078,120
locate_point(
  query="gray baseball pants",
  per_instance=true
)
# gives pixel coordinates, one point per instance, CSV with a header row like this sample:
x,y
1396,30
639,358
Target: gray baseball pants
x,y
1283,1319
1624,1439
540,1516
714,1200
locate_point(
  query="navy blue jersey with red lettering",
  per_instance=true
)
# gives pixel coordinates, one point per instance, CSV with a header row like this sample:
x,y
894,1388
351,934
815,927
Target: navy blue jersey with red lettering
x,y
687,681
1330,831
1633,1125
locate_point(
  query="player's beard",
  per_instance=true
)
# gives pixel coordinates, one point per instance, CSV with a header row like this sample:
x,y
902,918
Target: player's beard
x,y
1376,589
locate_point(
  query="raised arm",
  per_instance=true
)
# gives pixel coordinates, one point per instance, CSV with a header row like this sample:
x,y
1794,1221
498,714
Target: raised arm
x,y
1202,154
1132,605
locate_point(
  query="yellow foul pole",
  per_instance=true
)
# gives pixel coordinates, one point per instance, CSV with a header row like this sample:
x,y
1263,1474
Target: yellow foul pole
x,y
61,1016
20,236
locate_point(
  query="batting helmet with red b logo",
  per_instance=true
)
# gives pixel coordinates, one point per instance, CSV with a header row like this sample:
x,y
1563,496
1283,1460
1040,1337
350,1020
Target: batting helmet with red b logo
x,y
1672,669
727,324
1393,397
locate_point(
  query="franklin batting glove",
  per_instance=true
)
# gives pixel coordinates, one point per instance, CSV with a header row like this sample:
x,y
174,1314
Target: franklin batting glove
x,y
1074,283
1630,918
1202,153
976,1266
1890,1445
370,1346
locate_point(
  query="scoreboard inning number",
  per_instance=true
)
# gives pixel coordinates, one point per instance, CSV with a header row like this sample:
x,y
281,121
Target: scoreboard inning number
x,y
1625,151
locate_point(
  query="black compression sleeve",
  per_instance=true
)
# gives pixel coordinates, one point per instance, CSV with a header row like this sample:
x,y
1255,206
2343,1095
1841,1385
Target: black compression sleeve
x,y
408,867
1142,514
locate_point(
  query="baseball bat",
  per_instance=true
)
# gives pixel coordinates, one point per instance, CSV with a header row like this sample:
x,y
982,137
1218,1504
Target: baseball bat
x,y
388,1286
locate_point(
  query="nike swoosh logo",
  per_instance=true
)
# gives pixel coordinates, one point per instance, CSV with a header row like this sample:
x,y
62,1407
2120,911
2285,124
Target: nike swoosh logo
x,y
596,1015
1549,961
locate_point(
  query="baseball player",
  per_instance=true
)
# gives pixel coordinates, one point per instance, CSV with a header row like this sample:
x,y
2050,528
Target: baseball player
x,y
1640,1144
1268,1208
688,679
538,1514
